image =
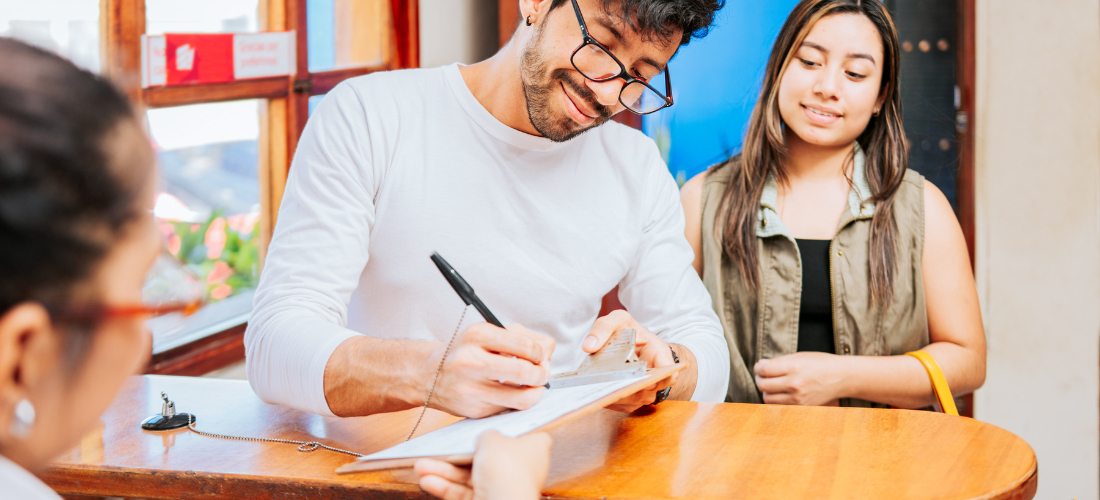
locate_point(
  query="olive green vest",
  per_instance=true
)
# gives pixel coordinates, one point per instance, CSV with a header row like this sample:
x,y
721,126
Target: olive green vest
x,y
764,324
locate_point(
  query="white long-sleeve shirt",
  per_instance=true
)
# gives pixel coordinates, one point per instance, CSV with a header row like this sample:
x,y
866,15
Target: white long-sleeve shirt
x,y
19,484
393,166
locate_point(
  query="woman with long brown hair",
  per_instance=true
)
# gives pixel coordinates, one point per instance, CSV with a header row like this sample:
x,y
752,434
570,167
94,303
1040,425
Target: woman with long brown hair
x,y
827,259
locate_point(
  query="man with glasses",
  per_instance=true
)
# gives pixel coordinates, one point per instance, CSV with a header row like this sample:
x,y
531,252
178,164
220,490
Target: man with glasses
x,y
490,165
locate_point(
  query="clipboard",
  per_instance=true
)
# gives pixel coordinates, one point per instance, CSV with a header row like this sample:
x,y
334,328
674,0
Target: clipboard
x,y
652,376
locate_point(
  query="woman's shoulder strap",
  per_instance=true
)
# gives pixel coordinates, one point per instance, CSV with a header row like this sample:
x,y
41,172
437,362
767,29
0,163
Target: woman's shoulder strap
x,y
911,190
913,178
719,173
909,204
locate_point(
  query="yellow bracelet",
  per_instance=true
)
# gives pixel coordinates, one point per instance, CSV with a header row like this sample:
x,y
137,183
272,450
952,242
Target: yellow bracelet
x,y
939,383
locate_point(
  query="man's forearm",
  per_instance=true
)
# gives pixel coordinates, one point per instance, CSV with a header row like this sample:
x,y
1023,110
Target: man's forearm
x,y
366,375
685,383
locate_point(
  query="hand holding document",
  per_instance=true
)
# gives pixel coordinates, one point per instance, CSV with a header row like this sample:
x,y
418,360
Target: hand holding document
x,y
503,467
606,376
650,349
456,443
514,468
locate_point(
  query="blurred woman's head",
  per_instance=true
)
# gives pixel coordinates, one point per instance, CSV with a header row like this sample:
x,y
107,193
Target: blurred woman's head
x,y
831,81
76,239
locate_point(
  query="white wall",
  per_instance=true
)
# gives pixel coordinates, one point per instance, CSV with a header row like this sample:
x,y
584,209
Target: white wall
x,y
1038,249
457,30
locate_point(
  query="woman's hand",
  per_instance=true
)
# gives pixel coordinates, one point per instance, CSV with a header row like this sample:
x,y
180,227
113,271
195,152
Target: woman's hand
x,y
504,468
803,378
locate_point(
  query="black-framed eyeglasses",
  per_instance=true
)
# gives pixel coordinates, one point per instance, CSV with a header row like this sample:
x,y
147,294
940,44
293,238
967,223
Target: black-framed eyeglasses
x,y
596,63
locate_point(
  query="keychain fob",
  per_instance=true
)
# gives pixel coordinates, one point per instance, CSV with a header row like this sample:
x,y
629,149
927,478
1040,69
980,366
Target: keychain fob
x,y
167,419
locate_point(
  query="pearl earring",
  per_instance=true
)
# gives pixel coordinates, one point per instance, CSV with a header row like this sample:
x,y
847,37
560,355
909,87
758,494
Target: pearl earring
x,y
23,419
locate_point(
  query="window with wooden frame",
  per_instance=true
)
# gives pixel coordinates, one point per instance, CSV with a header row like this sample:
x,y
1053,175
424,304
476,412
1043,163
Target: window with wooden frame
x,y
225,148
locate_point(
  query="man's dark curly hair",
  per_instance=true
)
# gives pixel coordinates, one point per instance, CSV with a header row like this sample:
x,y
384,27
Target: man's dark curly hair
x,y
660,19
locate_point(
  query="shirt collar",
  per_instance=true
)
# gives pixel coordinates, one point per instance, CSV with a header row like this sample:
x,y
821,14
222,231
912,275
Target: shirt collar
x,y
858,207
483,118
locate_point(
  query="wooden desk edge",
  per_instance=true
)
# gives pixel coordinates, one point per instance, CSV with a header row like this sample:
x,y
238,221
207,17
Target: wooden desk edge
x,y
1024,489
150,482
87,480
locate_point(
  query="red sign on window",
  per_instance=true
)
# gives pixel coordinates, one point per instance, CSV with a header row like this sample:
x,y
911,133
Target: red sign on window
x,y
198,59
183,59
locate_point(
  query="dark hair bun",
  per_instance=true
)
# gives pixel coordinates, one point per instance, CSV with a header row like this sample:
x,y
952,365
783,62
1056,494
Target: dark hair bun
x,y
62,202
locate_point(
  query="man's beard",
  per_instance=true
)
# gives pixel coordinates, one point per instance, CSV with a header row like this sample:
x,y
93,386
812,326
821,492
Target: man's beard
x,y
539,89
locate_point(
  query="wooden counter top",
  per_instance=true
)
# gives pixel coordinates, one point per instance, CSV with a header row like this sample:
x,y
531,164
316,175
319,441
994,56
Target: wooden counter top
x,y
677,450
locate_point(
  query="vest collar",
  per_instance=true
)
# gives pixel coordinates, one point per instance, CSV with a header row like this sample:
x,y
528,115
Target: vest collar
x,y
772,225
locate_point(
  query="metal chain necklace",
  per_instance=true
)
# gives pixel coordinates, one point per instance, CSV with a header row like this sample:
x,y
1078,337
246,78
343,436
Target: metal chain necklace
x,y
303,446
308,446
438,372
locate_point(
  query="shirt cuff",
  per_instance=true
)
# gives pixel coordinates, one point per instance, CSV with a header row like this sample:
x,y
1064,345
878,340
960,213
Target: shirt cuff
x,y
290,370
712,362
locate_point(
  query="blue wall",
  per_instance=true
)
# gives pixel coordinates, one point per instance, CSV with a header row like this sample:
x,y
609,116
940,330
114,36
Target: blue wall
x,y
715,84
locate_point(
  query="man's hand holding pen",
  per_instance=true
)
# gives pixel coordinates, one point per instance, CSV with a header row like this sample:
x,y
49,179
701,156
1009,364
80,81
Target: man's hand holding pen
x,y
491,367
484,355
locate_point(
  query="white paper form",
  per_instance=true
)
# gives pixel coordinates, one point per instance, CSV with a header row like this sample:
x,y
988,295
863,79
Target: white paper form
x,y
460,438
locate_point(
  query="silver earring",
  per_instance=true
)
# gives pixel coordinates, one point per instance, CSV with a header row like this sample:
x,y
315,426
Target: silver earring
x,y
23,419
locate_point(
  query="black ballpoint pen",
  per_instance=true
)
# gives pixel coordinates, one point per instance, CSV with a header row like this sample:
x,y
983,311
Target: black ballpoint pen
x,y
463,289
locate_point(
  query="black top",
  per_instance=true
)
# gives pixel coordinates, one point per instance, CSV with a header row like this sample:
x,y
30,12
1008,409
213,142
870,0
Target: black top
x,y
815,318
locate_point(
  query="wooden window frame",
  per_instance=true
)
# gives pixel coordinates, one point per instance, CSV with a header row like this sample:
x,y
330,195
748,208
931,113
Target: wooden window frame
x,y
282,120
964,136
